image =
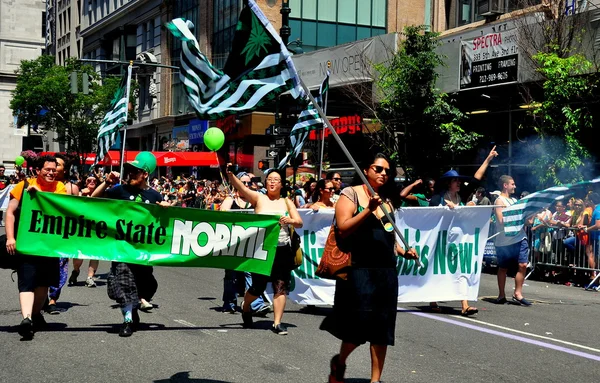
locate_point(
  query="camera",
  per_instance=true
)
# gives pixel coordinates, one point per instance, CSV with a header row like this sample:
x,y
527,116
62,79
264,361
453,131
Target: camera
x,y
255,180
233,168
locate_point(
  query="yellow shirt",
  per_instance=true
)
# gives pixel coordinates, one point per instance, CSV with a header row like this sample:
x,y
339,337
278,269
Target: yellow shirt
x,y
57,187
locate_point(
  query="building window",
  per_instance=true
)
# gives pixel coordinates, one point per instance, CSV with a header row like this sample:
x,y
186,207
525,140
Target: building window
x,y
325,23
226,13
189,10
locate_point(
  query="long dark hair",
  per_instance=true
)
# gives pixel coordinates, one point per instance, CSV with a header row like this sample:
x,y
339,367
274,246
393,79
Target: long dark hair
x,y
320,186
389,190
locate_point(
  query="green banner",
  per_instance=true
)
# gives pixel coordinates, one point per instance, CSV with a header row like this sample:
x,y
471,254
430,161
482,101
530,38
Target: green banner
x,y
56,225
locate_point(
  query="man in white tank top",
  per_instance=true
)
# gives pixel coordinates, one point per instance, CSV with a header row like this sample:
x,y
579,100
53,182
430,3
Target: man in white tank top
x,y
510,249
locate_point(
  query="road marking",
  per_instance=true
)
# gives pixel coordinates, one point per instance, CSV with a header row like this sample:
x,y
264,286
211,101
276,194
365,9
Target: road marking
x,y
533,335
508,336
185,323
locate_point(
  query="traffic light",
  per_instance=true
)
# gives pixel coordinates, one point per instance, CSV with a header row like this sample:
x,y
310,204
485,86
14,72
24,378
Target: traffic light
x,y
263,164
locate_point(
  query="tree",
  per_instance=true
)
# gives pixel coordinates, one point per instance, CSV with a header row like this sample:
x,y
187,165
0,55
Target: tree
x,y
44,86
552,42
409,106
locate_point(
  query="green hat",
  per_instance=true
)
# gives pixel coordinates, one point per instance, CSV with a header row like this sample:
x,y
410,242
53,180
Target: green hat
x,y
144,161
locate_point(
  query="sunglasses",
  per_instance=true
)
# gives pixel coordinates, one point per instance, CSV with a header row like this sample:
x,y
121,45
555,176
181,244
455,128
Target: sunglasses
x,y
379,169
328,189
578,205
246,183
336,179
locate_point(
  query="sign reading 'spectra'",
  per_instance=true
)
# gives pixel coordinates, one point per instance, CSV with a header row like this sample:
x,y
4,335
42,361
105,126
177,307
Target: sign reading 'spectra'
x,y
112,230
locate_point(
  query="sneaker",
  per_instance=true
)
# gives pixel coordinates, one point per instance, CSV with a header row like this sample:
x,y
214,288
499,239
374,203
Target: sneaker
x,y
26,329
247,318
279,329
126,329
263,311
89,282
229,309
73,278
52,309
39,323
146,306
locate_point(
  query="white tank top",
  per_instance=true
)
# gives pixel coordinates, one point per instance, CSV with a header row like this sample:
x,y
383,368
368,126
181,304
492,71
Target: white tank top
x,y
284,231
504,240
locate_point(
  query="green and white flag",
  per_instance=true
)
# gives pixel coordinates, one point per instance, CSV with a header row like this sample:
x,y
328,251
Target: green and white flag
x,y
113,120
514,216
308,120
259,68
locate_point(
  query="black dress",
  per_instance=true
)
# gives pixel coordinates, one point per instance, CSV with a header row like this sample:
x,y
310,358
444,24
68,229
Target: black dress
x,y
365,305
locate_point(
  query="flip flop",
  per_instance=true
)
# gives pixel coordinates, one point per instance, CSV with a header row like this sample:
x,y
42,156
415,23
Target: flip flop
x,y
469,311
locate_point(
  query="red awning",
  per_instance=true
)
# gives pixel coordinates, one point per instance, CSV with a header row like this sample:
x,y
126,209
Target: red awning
x,y
113,158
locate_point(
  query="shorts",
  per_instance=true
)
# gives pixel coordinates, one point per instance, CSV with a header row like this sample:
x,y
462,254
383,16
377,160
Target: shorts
x,y
281,274
511,254
33,272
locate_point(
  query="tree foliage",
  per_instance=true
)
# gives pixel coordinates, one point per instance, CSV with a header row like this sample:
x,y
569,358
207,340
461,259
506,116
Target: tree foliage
x,y
563,114
411,106
42,85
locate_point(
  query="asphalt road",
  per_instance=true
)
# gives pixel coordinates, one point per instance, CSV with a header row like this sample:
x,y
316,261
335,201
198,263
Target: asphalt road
x,y
187,339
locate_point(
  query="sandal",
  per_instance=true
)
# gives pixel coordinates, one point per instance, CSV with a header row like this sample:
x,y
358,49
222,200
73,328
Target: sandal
x,y
337,370
469,311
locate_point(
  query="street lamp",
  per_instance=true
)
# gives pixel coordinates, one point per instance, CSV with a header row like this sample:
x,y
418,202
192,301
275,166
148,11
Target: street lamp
x,y
298,50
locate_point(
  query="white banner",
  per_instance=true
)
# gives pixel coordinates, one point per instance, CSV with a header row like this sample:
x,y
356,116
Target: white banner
x,y
450,244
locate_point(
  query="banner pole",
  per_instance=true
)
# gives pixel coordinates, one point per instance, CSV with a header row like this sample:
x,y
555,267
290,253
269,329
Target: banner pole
x,y
355,165
323,132
127,89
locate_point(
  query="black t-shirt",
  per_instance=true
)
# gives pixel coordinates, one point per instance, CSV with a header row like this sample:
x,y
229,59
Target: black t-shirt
x,y
190,197
128,193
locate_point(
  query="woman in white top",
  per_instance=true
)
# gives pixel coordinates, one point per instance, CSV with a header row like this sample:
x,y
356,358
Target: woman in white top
x,y
281,273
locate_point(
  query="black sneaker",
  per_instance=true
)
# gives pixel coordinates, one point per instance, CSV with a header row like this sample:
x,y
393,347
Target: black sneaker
x,y
26,329
52,309
280,329
126,329
73,278
263,311
39,323
247,318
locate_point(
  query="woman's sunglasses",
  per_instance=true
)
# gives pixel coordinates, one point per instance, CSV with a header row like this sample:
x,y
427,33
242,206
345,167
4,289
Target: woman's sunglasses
x,y
328,189
378,169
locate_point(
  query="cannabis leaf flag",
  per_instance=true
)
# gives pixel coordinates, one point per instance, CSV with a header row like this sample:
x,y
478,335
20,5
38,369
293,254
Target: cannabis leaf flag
x,y
308,120
258,69
113,120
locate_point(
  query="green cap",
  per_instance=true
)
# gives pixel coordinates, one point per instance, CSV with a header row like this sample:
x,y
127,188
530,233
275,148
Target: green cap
x,y
144,161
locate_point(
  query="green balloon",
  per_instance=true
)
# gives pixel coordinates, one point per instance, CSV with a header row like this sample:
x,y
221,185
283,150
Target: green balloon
x,y
19,160
214,139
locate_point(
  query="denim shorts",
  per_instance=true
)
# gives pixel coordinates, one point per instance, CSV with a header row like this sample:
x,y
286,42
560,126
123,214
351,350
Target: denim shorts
x,y
508,255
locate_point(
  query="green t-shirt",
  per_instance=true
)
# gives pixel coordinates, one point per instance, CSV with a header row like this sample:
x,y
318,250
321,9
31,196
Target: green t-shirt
x,y
421,201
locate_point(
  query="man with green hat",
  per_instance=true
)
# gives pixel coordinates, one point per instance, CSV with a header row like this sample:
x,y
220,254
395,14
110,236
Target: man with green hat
x,y
128,283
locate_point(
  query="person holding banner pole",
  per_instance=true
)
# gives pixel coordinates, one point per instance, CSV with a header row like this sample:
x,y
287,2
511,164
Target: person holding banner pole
x,y
365,304
34,273
129,283
281,274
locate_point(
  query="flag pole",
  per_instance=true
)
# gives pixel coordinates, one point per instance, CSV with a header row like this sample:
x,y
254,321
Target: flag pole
x,y
323,132
355,165
129,70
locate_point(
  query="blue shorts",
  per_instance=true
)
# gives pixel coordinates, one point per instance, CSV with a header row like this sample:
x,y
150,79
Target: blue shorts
x,y
508,255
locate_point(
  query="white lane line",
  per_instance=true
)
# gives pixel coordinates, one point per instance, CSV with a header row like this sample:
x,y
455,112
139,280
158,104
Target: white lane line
x,y
532,335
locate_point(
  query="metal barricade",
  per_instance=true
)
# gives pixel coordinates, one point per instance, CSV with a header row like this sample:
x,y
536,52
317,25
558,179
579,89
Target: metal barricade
x,y
569,251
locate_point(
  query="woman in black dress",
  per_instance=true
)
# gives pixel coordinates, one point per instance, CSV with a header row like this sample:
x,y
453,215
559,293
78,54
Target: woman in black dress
x,y
365,304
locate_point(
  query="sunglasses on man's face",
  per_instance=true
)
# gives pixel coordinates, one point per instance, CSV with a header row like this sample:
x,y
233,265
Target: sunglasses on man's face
x,y
379,169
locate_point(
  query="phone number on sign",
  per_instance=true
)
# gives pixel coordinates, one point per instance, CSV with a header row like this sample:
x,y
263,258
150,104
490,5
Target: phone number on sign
x,y
491,77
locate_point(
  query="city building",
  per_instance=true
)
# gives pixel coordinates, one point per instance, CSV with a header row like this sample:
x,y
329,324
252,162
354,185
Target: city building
x,y
22,37
488,47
